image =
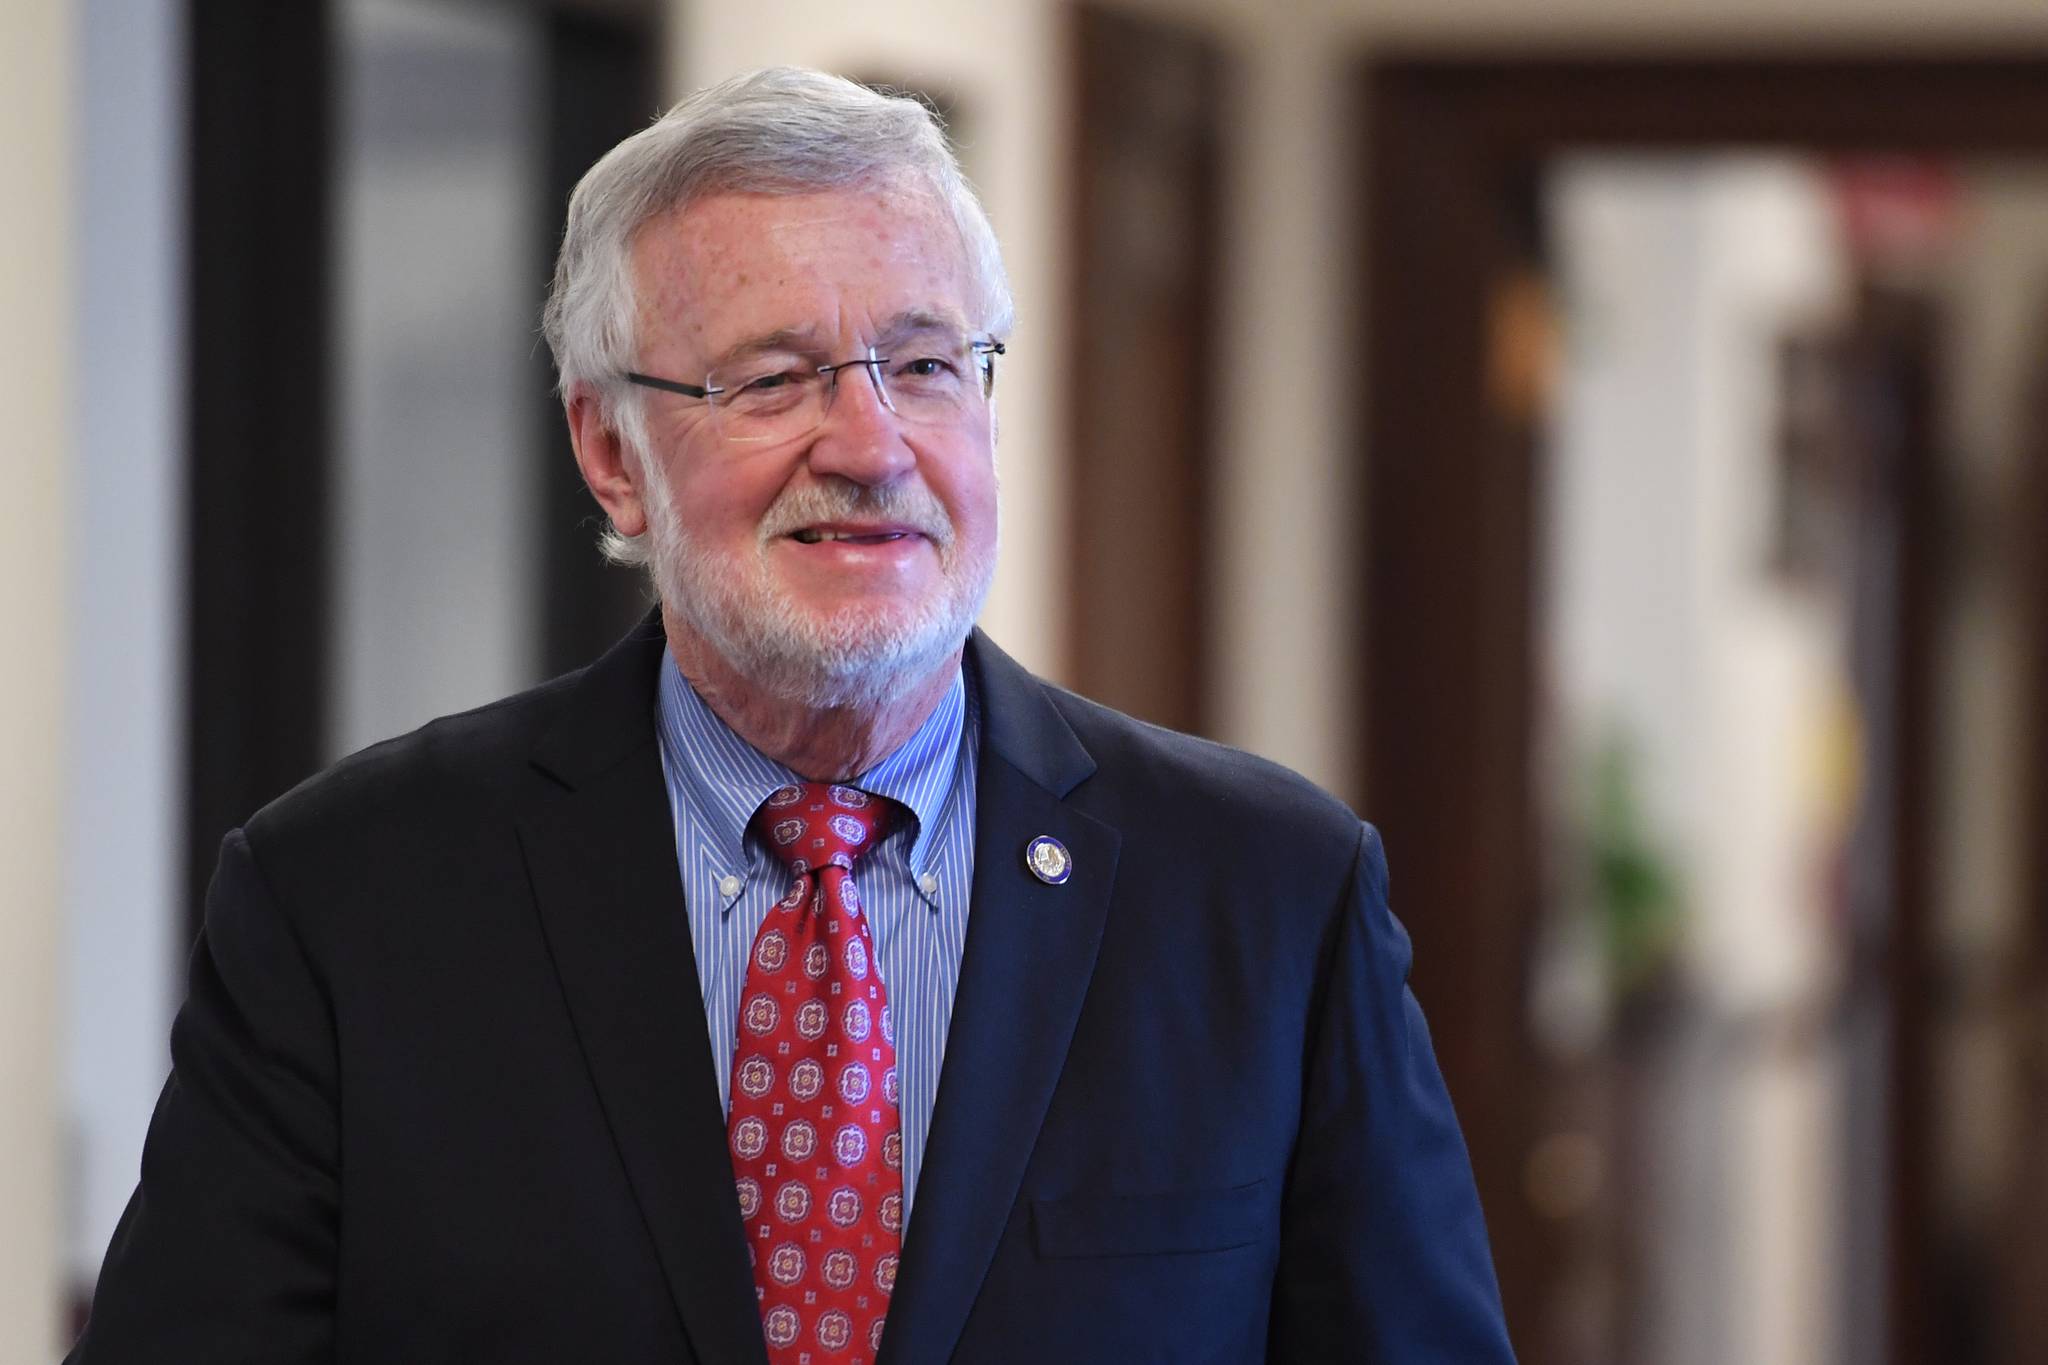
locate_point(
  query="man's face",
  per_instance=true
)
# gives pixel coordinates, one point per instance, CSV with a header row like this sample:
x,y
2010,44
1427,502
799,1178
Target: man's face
x,y
844,565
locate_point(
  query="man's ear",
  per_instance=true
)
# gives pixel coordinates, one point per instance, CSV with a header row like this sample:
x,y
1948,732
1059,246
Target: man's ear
x,y
607,468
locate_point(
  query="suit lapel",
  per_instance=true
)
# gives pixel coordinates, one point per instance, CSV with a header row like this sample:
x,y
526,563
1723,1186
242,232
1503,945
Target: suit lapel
x,y
601,855
1024,973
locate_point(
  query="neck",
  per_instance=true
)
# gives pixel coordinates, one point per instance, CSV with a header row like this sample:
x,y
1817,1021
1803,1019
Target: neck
x,y
821,744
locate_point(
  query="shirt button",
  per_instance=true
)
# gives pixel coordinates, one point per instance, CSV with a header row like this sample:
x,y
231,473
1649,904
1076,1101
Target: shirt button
x,y
928,884
729,886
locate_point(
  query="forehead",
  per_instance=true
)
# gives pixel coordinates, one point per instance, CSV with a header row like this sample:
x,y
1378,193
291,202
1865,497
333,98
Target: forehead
x,y
730,267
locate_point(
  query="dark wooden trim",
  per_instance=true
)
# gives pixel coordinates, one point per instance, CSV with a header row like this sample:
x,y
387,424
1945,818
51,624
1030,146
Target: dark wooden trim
x,y
258,420
1900,347
1146,253
603,85
2024,1265
1977,102
1446,741
1450,508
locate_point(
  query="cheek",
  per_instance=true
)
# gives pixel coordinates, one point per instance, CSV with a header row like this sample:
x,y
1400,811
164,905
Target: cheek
x,y
976,492
982,504
724,499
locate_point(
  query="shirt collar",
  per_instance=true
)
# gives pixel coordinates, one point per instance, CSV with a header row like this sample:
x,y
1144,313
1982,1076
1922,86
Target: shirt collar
x,y
725,779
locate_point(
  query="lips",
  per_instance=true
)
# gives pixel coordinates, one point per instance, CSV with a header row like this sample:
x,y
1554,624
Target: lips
x,y
817,535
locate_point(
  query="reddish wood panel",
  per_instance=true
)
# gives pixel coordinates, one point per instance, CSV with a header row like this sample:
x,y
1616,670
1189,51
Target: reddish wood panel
x,y
1145,367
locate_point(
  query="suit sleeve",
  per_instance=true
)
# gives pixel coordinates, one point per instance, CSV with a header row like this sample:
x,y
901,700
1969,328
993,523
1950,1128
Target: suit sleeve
x,y
1383,1254
226,1252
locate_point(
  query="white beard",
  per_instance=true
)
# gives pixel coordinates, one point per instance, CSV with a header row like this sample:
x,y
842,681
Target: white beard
x,y
857,657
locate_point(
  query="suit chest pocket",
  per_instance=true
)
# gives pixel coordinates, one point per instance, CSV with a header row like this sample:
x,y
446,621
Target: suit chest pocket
x,y
1150,1224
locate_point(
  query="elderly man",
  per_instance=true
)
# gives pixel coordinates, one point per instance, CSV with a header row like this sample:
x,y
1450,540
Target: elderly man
x,y
802,981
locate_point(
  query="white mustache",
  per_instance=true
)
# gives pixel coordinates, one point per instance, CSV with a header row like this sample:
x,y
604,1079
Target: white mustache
x,y
909,505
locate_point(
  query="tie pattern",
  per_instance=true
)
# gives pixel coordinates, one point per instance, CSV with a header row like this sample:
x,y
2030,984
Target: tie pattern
x,y
816,1146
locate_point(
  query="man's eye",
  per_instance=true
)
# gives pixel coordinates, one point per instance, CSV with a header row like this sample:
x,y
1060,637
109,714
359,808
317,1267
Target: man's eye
x,y
764,383
928,367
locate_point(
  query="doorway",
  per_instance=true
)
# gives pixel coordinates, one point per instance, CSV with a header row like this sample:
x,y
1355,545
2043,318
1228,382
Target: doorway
x,y
1672,1068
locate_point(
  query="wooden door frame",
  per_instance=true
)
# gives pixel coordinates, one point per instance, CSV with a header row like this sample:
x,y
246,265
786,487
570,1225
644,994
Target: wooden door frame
x,y
1137,631
1451,508
259,399
260,384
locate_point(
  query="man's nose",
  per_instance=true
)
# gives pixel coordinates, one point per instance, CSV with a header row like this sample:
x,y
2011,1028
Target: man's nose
x,y
861,438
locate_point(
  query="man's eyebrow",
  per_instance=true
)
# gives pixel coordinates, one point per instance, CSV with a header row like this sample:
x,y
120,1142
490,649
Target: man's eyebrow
x,y
918,320
781,339
906,323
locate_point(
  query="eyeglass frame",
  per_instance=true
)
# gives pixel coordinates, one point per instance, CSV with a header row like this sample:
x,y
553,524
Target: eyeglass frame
x,y
990,348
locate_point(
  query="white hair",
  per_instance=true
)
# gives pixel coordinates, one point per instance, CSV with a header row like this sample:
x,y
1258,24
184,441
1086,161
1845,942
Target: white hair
x,y
784,130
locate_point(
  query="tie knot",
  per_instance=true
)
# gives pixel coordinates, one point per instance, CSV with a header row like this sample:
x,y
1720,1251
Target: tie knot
x,y
815,824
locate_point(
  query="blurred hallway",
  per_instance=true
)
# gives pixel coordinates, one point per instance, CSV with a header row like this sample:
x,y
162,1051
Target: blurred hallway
x,y
1630,503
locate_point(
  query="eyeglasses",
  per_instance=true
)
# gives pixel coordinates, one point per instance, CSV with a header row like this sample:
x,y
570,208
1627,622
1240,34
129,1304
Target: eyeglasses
x,y
928,377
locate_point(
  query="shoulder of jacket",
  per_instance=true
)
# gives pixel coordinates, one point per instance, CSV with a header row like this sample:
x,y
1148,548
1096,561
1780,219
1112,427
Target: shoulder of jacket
x,y
1210,788
453,764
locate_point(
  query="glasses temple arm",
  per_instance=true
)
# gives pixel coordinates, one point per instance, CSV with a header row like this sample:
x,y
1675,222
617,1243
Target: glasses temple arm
x,y
648,381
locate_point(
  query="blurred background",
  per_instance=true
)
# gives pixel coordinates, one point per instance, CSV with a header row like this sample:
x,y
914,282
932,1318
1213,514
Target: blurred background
x,y
1606,442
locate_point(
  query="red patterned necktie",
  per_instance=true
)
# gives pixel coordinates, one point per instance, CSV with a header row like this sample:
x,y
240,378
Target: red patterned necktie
x,y
816,1146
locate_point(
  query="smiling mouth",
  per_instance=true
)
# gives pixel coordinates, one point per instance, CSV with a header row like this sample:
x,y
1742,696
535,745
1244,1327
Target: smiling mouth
x,y
808,536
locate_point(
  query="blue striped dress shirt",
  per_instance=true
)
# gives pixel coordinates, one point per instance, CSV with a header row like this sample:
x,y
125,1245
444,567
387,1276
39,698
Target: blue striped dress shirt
x,y
915,884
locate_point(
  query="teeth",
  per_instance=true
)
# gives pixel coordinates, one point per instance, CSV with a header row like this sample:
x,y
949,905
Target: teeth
x,y
810,537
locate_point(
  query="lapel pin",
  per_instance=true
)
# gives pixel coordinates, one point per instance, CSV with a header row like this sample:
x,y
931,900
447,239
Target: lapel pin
x,y
1048,860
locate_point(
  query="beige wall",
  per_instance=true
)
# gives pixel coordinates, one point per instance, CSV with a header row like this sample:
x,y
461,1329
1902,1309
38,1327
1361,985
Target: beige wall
x,y
35,109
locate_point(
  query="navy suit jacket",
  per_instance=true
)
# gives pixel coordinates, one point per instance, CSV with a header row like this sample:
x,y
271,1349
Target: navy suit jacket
x,y
439,1088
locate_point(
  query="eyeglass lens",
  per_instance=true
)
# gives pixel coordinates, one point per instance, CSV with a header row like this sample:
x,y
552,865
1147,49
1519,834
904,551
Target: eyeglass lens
x,y
922,377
